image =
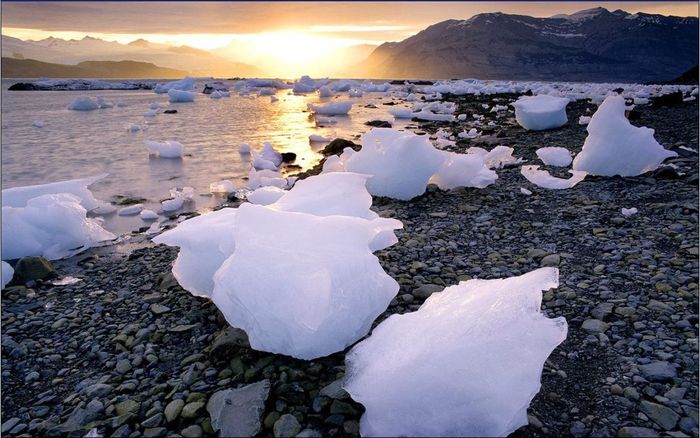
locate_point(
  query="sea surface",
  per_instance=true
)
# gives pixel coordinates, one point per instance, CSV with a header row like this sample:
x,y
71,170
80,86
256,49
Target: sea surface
x,y
78,144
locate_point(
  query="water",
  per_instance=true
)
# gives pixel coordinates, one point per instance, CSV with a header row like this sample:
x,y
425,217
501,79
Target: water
x,y
77,144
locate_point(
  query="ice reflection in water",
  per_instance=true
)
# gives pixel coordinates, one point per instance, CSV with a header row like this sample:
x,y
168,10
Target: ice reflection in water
x,y
75,144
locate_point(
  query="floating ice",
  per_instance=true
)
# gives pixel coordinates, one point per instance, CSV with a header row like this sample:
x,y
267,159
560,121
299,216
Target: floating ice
x,y
463,170
154,106
401,113
270,153
467,363
131,210
218,94
315,138
355,93
149,114
176,96
223,186
265,195
131,127
544,179
38,124
525,191
629,211
615,147
83,103
307,85
554,156
331,109
186,84
148,215
584,120
265,177
325,92
260,163
433,117
7,274
102,103
19,196
53,226
302,285
179,197
167,149
537,113
324,121
244,149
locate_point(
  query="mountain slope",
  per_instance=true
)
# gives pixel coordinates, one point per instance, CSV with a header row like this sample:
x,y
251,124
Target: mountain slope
x,y
194,61
591,45
30,68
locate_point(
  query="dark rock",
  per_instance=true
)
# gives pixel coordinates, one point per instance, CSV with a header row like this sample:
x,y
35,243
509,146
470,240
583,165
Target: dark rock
x,y
238,412
670,99
658,371
228,342
32,269
666,172
170,111
288,157
336,147
633,114
378,123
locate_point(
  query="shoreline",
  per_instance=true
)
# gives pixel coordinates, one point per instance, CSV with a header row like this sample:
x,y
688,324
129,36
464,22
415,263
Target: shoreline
x,y
129,337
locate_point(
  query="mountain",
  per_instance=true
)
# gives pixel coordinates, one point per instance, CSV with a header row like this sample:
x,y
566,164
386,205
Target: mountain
x,y
193,61
30,68
592,45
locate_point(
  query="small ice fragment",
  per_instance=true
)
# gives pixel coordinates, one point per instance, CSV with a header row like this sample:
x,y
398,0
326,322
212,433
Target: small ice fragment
x,y
148,215
130,210
38,124
266,195
244,149
554,156
223,186
525,191
629,211
167,149
544,179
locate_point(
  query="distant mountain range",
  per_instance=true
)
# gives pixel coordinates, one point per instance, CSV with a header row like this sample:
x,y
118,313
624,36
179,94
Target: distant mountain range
x,y
192,61
591,45
30,68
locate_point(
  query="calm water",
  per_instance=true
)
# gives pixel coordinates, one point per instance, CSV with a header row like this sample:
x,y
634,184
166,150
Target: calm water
x,y
77,144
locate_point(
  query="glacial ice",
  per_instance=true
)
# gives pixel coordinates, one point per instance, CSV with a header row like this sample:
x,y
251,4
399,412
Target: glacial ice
x,y
401,113
167,149
467,363
7,274
463,170
325,91
223,186
51,225
629,211
176,96
186,84
537,113
131,210
38,124
584,120
315,138
265,177
616,147
332,108
149,114
83,103
179,197
269,153
265,195
19,196
322,287
244,149
544,179
148,215
554,156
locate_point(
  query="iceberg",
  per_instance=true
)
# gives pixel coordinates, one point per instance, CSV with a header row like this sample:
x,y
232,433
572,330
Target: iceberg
x,y
463,170
52,225
321,289
19,196
83,103
186,84
167,149
554,156
265,195
544,179
325,91
7,274
467,363
537,113
331,109
176,96
616,147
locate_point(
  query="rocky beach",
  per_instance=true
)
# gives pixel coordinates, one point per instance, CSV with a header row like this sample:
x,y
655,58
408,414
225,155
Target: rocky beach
x,y
111,345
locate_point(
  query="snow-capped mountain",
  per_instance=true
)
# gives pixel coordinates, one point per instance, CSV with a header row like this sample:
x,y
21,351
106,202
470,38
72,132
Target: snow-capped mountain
x,y
194,61
591,45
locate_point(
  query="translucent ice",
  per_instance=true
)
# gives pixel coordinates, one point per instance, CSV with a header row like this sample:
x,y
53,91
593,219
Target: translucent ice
x,y
555,156
615,147
223,186
19,196
167,149
7,273
265,195
186,84
331,109
83,103
467,363
463,170
544,179
537,113
181,96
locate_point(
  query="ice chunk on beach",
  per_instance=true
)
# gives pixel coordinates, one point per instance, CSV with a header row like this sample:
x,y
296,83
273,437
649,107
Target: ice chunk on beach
x,y
463,170
315,138
205,242
265,195
270,154
260,163
544,179
7,274
287,287
167,149
179,197
186,84
537,113
131,210
223,186
467,363
331,109
554,156
324,121
616,147
584,120
401,163
52,225
38,124
19,196
401,113
629,211
148,215
265,177
176,96
83,103
525,191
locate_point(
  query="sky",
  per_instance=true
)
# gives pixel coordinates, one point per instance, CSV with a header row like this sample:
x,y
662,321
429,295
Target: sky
x,y
288,30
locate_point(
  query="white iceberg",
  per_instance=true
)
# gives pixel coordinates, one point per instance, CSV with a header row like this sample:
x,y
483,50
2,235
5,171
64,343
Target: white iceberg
x,y
7,274
148,215
19,196
270,153
167,149
186,84
354,92
176,96
331,109
324,121
554,156
629,211
315,138
223,186
53,226
402,113
83,103
537,113
467,363
265,195
302,285
615,147
544,179
463,170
